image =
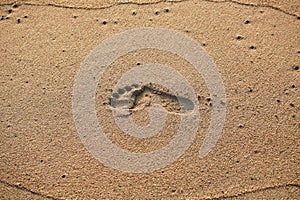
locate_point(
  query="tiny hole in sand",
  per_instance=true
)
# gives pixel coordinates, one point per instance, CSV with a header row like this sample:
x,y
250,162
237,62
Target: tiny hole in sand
x,y
295,68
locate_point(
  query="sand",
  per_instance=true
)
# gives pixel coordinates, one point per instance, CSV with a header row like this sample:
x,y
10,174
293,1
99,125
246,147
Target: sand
x,y
255,46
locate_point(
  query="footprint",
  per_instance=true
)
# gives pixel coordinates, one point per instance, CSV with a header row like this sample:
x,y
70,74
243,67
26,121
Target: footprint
x,y
136,97
123,97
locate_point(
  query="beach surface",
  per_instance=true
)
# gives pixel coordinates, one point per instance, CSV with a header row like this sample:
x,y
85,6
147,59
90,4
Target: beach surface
x,y
255,46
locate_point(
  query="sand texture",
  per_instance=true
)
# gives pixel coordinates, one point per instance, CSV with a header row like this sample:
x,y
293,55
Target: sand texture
x,y
255,45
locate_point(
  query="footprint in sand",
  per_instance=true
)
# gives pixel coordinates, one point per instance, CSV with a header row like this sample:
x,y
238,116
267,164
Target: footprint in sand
x,y
137,97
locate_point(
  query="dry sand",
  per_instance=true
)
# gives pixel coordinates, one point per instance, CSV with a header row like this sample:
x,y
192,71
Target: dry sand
x,y
43,46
